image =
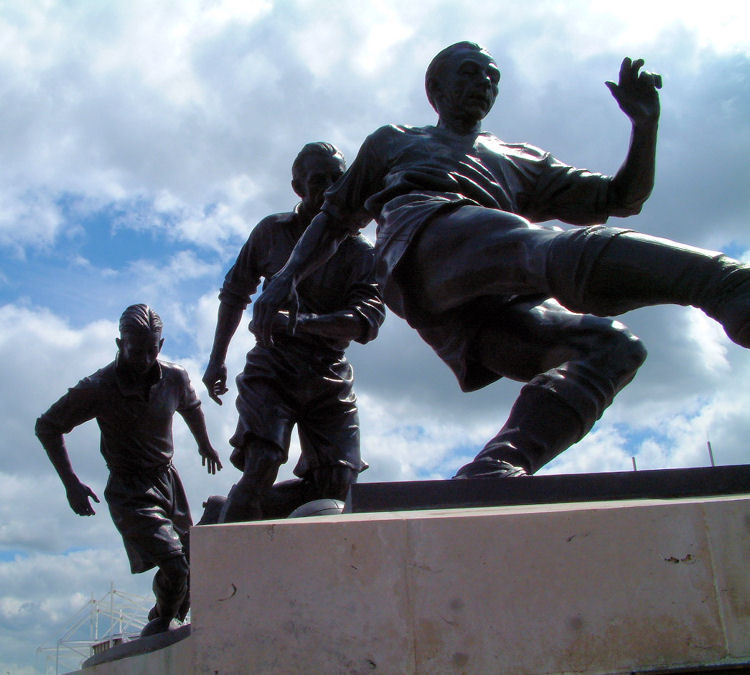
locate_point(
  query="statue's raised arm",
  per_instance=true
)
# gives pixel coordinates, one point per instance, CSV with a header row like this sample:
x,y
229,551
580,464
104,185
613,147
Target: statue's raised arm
x,y
636,94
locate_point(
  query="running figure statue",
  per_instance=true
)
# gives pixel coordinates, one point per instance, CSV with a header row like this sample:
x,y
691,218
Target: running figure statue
x,y
134,399
303,378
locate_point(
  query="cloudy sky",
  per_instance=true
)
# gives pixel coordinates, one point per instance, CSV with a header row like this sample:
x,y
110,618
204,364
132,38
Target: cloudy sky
x,y
142,141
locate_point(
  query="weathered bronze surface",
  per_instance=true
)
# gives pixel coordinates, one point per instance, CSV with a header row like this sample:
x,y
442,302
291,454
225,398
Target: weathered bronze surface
x,y
461,258
134,399
302,377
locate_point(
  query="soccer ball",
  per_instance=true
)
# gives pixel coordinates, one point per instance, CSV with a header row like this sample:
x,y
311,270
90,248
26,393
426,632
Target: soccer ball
x,y
318,507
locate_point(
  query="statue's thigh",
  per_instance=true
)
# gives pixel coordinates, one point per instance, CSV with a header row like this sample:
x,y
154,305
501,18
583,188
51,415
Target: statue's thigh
x,y
474,251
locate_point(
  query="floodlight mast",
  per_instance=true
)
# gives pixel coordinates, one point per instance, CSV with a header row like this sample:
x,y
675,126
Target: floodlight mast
x,y
126,619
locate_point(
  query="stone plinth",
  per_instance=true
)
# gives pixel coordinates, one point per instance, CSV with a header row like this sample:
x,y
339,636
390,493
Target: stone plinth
x,y
587,588
165,654
709,481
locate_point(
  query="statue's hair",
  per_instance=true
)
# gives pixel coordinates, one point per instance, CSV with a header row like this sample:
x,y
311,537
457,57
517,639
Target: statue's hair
x,y
140,318
312,149
434,70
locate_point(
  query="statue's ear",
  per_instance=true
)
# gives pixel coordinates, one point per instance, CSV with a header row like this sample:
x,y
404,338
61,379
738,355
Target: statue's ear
x,y
118,342
296,187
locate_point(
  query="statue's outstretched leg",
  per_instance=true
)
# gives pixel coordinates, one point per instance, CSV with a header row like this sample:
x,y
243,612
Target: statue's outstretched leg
x,y
606,271
474,252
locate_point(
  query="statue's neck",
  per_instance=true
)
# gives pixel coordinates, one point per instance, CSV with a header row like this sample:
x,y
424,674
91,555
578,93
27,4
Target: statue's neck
x,y
459,126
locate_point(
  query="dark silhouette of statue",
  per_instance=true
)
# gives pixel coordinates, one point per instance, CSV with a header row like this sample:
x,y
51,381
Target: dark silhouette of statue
x,y
303,378
133,399
461,258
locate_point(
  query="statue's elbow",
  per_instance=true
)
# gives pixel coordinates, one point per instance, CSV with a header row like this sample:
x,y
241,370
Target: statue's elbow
x,y
44,430
627,207
634,209
40,427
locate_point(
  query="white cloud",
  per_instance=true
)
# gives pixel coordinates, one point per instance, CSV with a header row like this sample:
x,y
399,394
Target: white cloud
x,y
710,339
28,220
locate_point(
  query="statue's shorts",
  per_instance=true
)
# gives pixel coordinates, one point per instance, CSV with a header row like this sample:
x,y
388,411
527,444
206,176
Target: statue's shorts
x,y
472,266
280,388
151,511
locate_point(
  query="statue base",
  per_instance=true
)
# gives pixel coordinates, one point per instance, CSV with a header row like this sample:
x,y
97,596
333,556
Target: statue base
x,y
613,586
548,489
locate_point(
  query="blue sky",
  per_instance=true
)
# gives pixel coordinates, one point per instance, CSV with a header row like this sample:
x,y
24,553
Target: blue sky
x,y
142,141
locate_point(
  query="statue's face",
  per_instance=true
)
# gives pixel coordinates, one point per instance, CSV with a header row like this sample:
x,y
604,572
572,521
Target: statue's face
x,y
467,86
318,173
139,350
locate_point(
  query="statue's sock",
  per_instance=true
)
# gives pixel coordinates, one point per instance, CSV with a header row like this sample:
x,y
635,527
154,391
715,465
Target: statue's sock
x,y
540,426
645,270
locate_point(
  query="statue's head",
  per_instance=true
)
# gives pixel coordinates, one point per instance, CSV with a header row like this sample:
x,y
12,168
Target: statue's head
x,y
140,338
317,166
462,81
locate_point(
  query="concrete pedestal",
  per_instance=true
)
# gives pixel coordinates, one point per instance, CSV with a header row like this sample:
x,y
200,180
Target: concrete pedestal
x,y
577,588
609,587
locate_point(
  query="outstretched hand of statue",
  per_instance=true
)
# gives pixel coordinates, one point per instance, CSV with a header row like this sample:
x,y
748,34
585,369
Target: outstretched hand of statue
x,y
78,497
636,92
210,459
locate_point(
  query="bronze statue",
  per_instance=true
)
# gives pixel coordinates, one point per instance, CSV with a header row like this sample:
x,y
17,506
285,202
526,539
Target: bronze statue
x,y
303,377
133,399
461,258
